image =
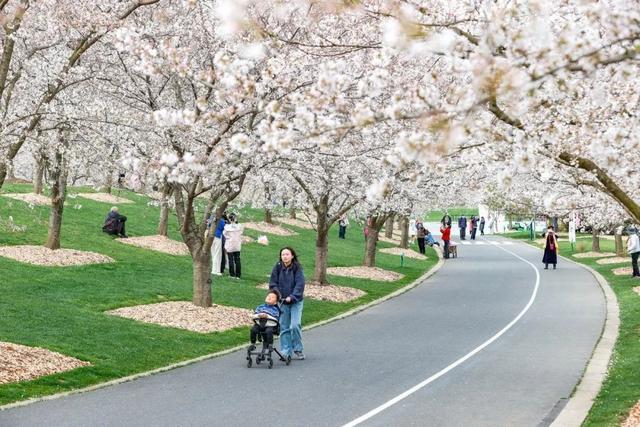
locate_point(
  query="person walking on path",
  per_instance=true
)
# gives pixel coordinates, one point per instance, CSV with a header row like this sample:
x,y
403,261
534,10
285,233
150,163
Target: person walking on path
x,y
287,277
216,247
446,237
550,249
633,248
482,226
343,222
233,243
421,233
462,225
473,227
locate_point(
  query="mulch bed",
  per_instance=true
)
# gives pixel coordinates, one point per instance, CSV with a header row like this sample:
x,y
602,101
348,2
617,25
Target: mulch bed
x,y
409,253
105,198
622,271
185,315
295,222
613,260
637,290
32,198
361,272
39,255
269,228
593,254
157,243
633,420
22,363
327,292
387,240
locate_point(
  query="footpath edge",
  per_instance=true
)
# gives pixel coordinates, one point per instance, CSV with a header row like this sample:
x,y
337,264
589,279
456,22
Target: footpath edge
x,y
139,375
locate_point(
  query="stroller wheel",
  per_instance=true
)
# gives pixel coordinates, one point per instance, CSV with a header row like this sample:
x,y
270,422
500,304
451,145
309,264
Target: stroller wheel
x,y
270,363
288,361
258,359
249,362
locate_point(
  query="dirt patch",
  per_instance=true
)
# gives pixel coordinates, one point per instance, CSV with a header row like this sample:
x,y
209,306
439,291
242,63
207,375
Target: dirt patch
x,y
593,254
613,260
409,253
387,240
637,290
622,271
105,198
185,315
247,239
295,222
39,255
270,228
22,363
633,420
32,198
361,272
331,293
157,243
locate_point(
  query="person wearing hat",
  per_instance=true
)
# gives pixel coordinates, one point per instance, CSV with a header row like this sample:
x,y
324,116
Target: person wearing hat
x,y
633,248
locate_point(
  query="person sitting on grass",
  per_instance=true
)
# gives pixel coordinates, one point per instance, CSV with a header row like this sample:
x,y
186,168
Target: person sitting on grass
x,y
114,223
271,313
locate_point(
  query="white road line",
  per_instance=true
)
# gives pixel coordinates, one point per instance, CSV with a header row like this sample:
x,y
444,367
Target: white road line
x,y
480,243
458,362
466,243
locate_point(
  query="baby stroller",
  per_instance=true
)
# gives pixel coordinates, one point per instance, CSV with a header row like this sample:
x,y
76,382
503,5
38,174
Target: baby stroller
x,y
266,353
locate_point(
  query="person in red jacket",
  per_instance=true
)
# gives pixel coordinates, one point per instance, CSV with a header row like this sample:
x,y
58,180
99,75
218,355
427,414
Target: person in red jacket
x,y
446,236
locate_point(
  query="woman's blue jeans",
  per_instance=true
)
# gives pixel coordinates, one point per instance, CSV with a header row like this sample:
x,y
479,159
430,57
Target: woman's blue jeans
x,y
291,328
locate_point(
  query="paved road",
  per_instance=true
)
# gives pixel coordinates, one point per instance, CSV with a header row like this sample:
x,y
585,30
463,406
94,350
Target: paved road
x,y
357,364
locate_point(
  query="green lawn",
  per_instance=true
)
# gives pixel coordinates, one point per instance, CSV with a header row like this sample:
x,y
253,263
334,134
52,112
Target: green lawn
x,y
62,308
621,389
437,215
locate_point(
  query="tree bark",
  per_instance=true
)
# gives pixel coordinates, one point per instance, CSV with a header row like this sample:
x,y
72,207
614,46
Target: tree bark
x,y
202,277
620,249
370,248
109,182
163,224
38,176
595,245
268,216
322,240
404,227
58,195
292,212
388,228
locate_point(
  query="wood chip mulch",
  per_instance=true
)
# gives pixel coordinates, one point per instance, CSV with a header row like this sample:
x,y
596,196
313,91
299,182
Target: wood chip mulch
x,y
637,290
269,228
185,315
409,253
387,240
593,254
633,420
622,271
327,292
613,260
32,198
23,363
105,198
361,272
247,239
295,222
39,255
157,243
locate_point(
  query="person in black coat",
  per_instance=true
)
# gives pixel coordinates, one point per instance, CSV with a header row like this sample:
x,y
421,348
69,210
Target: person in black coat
x,y
550,249
114,223
462,225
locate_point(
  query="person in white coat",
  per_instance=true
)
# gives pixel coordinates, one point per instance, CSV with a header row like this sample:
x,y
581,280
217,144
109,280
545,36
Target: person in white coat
x,y
633,248
233,243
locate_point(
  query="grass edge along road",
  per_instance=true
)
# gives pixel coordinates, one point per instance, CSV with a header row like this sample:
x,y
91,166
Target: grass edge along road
x,y
62,308
621,388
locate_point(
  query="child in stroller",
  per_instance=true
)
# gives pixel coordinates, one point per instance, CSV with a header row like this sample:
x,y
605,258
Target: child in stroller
x,y
266,325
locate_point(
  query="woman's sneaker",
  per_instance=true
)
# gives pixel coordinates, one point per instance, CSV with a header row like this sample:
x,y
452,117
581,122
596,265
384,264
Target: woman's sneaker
x,y
299,355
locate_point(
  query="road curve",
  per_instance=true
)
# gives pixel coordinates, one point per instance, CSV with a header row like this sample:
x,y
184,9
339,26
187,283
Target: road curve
x,y
359,363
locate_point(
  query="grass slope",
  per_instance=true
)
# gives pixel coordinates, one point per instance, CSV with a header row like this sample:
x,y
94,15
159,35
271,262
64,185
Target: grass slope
x,y
62,308
621,389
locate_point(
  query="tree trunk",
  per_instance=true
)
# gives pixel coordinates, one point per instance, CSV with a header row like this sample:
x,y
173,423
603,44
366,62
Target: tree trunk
x,y
404,227
202,278
388,228
38,176
109,183
58,195
595,245
268,216
3,173
163,225
322,256
620,249
370,248
292,212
